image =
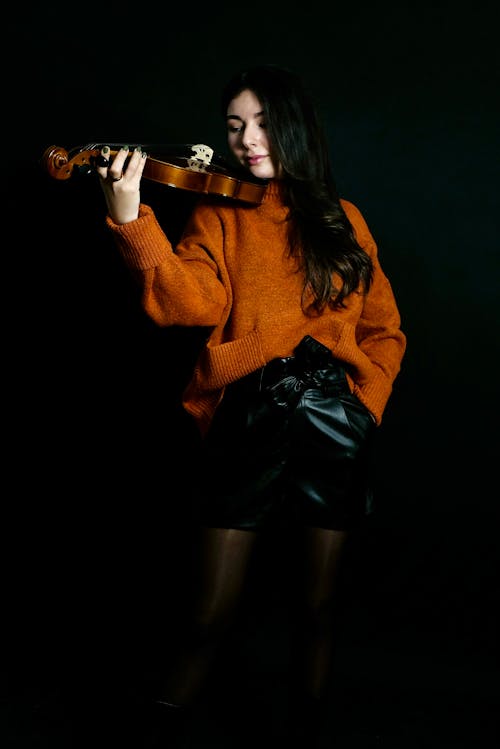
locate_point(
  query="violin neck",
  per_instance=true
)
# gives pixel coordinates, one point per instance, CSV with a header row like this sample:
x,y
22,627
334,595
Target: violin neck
x,y
161,150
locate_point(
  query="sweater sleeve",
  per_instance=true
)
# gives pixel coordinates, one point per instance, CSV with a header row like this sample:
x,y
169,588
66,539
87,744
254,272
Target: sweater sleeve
x,y
378,331
181,285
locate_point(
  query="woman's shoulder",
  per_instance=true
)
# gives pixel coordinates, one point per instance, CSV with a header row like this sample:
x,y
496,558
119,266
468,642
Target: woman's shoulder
x,y
351,210
358,222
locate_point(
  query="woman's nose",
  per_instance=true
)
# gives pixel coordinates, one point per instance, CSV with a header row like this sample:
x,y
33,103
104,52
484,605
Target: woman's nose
x,y
250,137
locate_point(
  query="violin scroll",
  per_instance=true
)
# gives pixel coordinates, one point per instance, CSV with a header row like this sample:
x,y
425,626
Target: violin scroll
x,y
60,165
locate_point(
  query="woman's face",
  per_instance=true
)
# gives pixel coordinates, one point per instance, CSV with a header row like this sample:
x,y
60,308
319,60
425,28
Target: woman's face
x,y
247,135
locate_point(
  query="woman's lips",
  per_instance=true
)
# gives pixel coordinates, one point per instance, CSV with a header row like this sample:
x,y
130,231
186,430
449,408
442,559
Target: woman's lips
x,y
253,160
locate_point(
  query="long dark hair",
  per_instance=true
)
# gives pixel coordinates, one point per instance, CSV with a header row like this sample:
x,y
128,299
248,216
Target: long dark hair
x,y
320,235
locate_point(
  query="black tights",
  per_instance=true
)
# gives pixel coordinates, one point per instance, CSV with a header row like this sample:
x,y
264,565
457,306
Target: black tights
x,y
225,555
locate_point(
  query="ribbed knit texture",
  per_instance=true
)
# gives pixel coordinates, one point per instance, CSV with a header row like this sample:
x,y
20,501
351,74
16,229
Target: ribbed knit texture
x,y
231,273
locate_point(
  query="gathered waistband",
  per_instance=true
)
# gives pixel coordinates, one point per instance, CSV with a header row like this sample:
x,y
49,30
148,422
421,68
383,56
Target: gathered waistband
x,y
285,379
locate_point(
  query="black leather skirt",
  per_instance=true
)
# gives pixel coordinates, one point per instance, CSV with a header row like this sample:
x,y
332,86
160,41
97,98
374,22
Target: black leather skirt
x,y
289,442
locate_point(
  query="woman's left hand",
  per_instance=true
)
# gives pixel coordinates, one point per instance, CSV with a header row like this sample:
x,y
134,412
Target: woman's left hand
x,y
120,185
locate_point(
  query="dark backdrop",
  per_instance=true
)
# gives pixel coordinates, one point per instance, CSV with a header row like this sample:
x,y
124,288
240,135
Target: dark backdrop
x,y
99,458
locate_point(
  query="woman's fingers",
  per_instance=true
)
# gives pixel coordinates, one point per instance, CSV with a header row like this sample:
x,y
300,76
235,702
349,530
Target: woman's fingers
x,y
103,162
109,167
114,169
136,164
121,181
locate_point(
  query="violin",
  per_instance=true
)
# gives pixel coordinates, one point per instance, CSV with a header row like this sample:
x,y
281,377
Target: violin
x,y
192,167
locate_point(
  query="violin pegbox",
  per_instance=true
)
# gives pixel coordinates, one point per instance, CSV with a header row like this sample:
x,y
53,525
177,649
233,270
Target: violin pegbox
x,y
202,157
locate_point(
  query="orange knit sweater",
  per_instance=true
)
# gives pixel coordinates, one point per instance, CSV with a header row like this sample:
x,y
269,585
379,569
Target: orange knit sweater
x,y
231,274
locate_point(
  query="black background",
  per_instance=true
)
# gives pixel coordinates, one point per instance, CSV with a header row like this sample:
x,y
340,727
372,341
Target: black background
x,y
99,460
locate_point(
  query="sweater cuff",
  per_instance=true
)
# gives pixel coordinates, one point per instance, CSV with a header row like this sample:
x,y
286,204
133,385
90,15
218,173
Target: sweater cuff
x,y
142,242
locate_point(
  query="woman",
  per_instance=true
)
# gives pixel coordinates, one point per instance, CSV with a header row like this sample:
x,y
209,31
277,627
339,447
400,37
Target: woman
x,y
304,344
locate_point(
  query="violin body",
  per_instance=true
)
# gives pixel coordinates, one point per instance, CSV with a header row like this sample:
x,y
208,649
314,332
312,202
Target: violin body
x,y
188,167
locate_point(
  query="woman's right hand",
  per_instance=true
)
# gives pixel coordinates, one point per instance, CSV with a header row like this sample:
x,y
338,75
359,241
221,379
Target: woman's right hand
x,y
121,186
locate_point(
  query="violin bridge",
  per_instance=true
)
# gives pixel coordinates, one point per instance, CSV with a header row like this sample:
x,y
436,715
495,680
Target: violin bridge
x,y
202,153
195,165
